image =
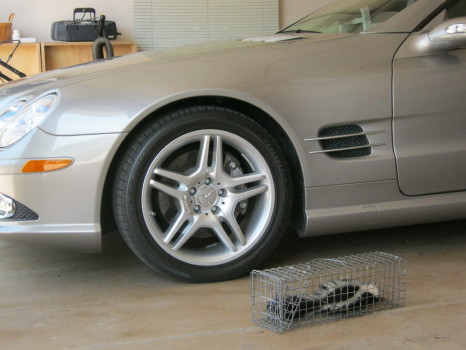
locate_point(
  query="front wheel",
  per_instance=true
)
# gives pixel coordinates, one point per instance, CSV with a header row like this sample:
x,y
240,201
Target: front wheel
x,y
202,194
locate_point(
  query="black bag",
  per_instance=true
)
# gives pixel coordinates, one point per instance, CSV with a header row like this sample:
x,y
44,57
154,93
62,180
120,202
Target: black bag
x,y
83,29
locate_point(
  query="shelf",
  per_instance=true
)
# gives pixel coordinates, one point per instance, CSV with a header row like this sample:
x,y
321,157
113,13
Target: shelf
x,y
34,58
63,54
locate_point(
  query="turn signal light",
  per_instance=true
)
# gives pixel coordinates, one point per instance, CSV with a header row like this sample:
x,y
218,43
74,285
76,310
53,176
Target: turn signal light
x,y
45,165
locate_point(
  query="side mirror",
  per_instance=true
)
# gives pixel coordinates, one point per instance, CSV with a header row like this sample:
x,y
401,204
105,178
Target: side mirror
x,y
447,36
450,34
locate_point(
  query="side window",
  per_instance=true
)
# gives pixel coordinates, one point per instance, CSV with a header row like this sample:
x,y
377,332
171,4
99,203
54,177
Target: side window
x,y
455,10
458,9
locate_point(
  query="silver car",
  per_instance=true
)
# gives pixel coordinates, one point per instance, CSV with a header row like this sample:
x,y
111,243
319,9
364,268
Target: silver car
x,y
202,157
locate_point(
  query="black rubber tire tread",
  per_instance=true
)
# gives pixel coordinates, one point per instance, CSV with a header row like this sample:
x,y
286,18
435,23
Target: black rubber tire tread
x,y
137,156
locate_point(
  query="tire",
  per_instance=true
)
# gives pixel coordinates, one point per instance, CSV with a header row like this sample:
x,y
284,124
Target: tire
x,y
202,194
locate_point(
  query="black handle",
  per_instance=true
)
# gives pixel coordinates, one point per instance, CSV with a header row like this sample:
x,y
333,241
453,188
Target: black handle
x,y
84,10
14,70
100,28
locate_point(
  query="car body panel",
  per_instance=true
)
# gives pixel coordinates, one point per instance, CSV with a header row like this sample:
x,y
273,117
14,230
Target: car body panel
x,y
364,85
303,86
357,207
430,119
67,201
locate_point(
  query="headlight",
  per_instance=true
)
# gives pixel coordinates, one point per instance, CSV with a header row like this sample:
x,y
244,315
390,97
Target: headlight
x,y
7,207
19,119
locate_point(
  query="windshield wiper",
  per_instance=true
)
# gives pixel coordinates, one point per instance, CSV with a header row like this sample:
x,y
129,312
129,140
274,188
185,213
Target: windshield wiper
x,y
300,31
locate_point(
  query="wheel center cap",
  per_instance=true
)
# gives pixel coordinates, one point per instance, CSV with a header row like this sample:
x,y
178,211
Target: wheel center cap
x,y
207,196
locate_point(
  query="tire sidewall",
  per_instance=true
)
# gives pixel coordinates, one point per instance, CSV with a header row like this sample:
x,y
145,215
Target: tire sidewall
x,y
163,132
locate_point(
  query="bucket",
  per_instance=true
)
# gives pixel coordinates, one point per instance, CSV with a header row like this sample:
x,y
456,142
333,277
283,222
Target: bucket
x,y
6,29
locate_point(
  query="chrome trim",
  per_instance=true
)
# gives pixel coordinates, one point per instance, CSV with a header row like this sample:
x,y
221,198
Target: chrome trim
x,y
365,133
348,148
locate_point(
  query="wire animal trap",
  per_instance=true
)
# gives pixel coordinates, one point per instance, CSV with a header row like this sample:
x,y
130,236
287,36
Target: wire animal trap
x,y
327,289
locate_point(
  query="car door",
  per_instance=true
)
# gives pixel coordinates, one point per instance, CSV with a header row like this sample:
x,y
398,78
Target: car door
x,y
429,92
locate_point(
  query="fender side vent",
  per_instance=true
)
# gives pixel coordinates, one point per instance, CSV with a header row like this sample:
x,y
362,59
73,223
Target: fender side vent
x,y
339,137
345,141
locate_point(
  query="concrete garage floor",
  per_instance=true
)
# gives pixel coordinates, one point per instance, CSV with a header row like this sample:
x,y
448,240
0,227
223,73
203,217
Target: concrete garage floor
x,y
52,299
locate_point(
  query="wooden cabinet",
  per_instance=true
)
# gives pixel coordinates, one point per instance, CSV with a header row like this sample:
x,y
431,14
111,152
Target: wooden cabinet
x,y
63,54
33,58
26,58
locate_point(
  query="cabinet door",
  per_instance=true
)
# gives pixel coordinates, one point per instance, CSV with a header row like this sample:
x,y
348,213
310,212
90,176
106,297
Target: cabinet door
x,y
25,58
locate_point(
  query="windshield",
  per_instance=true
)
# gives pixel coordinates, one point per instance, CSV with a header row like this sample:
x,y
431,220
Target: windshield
x,y
349,16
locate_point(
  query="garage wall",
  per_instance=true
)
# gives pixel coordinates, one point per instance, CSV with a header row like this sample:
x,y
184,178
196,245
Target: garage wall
x,y
34,18
292,10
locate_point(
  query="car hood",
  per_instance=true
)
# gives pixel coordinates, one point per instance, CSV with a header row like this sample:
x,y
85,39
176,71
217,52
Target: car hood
x,y
141,60
113,96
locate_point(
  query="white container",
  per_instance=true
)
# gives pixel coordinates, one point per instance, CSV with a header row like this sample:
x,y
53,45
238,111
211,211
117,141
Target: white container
x,y
16,35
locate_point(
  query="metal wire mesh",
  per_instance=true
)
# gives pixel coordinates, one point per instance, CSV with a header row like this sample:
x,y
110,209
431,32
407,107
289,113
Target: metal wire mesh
x,y
327,289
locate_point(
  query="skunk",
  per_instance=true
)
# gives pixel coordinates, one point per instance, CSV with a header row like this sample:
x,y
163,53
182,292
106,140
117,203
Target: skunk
x,y
332,297
343,296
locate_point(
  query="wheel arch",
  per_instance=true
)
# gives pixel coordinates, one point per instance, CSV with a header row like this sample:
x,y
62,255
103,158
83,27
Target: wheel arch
x,y
255,113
